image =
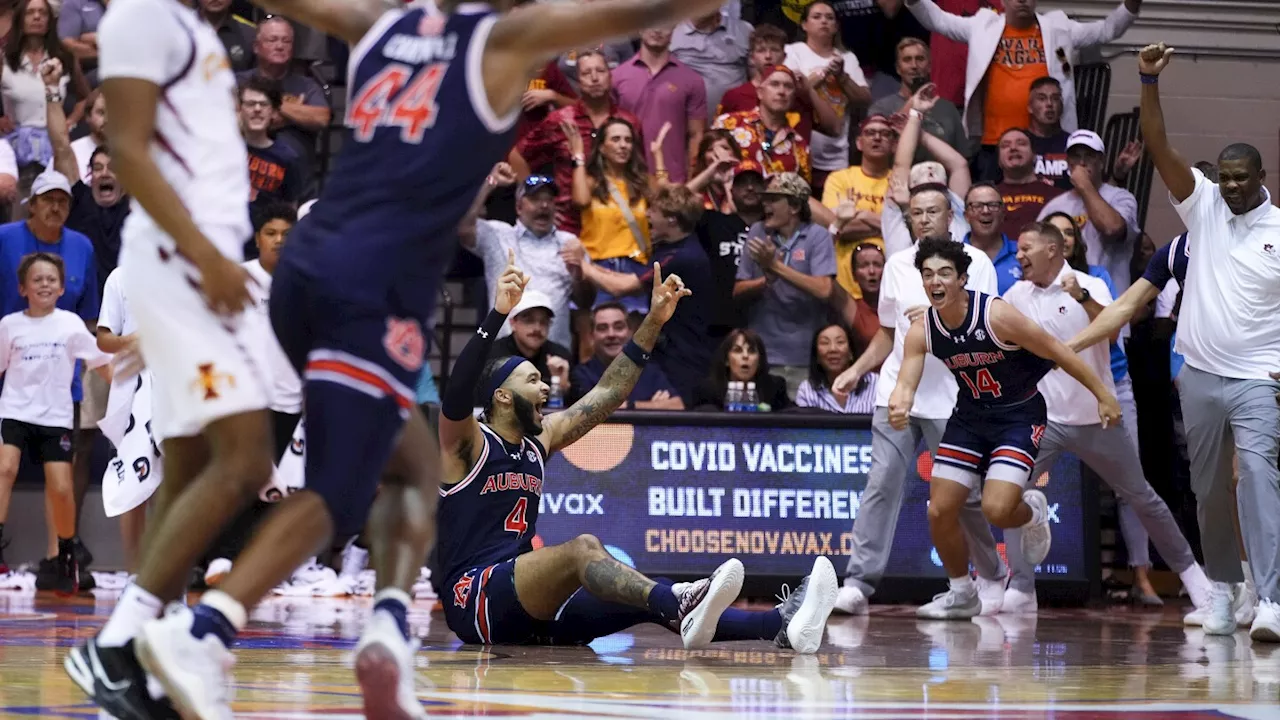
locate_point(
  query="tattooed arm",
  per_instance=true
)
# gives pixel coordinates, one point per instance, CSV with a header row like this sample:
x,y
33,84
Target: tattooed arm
x,y
565,428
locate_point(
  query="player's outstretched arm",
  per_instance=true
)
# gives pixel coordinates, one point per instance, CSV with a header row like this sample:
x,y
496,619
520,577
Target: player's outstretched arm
x,y
1014,327
460,438
564,428
1173,169
346,19
1115,316
904,393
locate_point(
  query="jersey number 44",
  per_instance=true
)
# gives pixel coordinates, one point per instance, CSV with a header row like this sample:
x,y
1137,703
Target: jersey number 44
x,y
397,97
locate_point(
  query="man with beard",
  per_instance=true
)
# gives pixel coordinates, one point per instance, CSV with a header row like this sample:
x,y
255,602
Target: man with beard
x,y
504,591
984,209
1048,139
535,240
545,150
765,134
610,332
1024,192
853,198
943,120
722,236
236,33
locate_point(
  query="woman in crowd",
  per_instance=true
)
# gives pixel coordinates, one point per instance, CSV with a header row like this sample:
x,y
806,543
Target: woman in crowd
x,y
1135,536
33,41
831,353
612,188
712,181
741,358
39,348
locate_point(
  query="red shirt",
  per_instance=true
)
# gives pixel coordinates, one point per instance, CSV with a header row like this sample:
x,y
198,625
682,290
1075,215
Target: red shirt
x,y
545,146
744,98
787,151
550,78
950,56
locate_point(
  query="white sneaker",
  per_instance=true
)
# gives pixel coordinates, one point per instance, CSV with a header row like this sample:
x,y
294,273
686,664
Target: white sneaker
x,y
1195,618
851,601
951,605
1017,602
354,560
805,611
991,593
1246,604
1219,618
702,603
1197,585
1266,625
195,673
217,571
1036,536
384,669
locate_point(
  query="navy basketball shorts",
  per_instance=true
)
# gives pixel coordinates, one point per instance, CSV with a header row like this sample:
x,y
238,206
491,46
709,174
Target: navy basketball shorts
x,y
481,608
359,366
999,443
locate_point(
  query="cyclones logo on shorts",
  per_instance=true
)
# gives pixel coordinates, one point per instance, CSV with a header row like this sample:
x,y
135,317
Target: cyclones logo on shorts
x,y
462,589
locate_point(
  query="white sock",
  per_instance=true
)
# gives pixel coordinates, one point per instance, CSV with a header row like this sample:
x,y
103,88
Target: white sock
x,y
230,608
1037,515
136,608
1248,575
963,585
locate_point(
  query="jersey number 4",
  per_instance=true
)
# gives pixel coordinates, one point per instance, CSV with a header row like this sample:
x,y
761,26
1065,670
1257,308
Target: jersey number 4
x,y
516,521
985,384
396,97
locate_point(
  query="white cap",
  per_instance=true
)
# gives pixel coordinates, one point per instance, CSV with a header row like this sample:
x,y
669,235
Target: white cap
x,y
533,299
1087,138
305,208
48,181
927,173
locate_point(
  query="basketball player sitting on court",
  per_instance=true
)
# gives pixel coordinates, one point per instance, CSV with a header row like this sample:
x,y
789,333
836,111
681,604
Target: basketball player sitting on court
x,y
497,588
998,356
38,351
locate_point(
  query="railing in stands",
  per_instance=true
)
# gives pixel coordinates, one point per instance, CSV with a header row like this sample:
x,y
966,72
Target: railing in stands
x,y
1093,89
1122,129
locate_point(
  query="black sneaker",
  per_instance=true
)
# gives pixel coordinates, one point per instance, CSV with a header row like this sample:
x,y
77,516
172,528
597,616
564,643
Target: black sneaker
x,y
4,569
116,682
67,578
47,574
84,558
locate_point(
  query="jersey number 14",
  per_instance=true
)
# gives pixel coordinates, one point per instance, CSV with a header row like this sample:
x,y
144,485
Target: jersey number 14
x,y
397,97
983,382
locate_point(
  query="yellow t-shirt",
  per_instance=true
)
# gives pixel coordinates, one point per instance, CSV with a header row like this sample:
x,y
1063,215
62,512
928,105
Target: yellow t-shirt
x,y
605,232
1018,62
867,193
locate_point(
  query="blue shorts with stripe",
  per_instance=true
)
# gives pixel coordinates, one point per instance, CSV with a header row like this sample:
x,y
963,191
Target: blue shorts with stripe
x,y
359,366
996,443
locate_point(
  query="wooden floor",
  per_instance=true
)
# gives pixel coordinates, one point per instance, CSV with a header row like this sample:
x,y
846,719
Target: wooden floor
x,y
1112,663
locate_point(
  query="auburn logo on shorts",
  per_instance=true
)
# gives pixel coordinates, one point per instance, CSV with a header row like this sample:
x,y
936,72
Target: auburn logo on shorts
x,y
462,589
209,379
404,343
1037,434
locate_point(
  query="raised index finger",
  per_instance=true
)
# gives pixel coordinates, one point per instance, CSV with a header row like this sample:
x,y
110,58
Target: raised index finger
x,y
657,274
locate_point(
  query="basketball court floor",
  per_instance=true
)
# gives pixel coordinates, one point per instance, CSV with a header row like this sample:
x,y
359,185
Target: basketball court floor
x,y
1069,664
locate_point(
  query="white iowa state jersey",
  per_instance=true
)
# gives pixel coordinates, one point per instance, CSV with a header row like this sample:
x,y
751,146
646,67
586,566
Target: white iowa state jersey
x,y
197,143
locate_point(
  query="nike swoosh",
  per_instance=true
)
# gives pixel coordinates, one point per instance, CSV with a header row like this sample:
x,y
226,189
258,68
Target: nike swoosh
x,y
100,674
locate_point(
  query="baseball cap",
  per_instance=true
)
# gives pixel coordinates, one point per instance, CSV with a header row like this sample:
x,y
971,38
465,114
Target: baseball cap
x,y
1087,138
533,299
927,173
534,183
305,208
878,119
748,166
771,69
788,184
48,181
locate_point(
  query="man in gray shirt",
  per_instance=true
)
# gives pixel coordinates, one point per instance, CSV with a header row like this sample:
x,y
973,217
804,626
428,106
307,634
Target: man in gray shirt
x,y
716,47
788,270
943,121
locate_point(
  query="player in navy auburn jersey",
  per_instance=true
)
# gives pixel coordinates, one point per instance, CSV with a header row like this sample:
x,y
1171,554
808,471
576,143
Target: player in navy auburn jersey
x,y
998,356
434,92
496,587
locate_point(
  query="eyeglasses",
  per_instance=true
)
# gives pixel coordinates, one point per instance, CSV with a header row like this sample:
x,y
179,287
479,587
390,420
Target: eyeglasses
x,y
979,206
879,134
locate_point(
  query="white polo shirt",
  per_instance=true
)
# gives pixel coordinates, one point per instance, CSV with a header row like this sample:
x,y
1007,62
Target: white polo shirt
x,y
1229,324
901,289
1062,316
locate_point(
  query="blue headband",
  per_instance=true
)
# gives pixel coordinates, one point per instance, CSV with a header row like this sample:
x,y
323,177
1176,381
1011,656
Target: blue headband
x,y
501,374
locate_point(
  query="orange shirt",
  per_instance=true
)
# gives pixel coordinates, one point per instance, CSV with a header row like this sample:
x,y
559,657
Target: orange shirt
x,y
1018,62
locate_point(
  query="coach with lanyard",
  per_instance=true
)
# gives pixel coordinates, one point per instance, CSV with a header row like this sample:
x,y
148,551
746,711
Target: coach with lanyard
x,y
1228,333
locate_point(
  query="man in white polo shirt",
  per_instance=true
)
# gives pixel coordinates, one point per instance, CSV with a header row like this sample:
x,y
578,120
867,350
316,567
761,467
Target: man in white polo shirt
x,y
1229,334
893,452
1055,297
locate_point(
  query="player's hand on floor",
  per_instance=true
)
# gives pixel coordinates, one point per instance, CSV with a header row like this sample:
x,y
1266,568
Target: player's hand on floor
x,y
225,285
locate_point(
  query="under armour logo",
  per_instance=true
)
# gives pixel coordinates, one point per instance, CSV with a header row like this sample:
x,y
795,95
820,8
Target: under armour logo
x,y
482,333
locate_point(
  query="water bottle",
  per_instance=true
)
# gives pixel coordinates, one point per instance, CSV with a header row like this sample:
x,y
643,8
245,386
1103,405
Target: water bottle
x,y
555,400
733,397
751,401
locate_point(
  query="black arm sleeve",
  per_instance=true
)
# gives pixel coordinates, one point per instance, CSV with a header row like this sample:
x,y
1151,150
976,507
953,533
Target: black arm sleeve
x,y
459,397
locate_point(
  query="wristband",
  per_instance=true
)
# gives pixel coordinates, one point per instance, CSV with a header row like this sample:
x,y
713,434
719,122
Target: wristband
x,y
635,353
1148,79
579,161
491,325
53,96
916,113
